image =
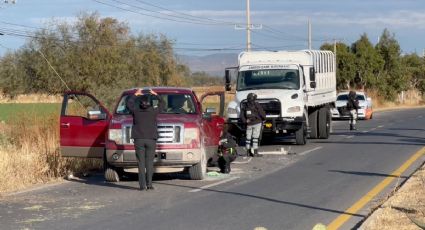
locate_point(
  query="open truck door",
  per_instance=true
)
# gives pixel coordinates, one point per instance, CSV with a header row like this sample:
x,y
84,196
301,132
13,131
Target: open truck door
x,y
83,126
213,119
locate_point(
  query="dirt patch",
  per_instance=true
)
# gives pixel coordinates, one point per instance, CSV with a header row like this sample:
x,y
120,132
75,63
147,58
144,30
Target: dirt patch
x,y
406,206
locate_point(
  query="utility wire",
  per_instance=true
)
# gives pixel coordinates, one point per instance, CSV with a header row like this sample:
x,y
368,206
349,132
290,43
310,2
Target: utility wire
x,y
153,16
197,17
54,70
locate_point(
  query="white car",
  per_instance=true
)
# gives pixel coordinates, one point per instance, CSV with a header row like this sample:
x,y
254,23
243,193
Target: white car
x,y
365,112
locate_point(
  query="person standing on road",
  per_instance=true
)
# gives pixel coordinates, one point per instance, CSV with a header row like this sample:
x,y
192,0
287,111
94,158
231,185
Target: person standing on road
x,y
253,116
145,133
352,106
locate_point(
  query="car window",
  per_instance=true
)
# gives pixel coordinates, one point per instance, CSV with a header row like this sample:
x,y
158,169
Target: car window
x,y
360,97
174,104
80,105
343,97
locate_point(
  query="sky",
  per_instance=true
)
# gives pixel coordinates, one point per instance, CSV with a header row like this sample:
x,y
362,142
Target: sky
x,y
201,27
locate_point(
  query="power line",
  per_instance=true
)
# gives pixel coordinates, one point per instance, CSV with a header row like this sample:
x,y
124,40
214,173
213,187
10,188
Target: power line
x,y
197,17
153,16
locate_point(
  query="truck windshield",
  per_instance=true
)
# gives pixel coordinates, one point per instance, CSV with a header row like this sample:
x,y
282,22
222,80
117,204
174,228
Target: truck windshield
x,y
268,79
174,104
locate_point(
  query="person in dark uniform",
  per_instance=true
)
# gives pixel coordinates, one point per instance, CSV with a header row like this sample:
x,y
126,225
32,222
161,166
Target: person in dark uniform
x,y
145,133
253,116
226,151
352,106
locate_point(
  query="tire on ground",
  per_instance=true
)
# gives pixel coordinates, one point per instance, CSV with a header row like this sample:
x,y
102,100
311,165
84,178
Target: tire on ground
x,y
198,171
312,122
324,122
112,174
301,135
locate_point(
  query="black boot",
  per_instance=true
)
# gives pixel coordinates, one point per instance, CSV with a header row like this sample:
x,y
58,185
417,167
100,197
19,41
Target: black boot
x,y
256,153
248,153
351,127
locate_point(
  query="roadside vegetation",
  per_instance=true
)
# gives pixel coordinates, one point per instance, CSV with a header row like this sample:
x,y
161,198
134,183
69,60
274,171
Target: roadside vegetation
x,y
102,56
405,208
29,149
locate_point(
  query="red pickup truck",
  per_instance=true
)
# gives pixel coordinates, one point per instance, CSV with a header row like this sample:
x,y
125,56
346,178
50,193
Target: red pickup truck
x,y
188,138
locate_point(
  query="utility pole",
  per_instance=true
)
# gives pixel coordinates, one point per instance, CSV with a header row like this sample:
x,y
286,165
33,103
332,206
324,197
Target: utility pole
x,y
309,34
248,26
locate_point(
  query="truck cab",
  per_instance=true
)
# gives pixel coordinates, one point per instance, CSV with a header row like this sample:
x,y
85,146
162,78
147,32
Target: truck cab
x,y
295,88
188,135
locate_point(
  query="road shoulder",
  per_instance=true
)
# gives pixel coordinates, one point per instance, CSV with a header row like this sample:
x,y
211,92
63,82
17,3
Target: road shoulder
x,y
399,211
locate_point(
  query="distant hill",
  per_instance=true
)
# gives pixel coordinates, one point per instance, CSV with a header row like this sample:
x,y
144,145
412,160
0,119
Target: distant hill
x,y
213,64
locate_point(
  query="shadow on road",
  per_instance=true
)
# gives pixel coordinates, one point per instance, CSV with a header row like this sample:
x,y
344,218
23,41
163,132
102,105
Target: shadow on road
x,y
366,173
266,199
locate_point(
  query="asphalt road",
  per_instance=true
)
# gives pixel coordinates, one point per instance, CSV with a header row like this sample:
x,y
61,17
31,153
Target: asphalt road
x,y
313,184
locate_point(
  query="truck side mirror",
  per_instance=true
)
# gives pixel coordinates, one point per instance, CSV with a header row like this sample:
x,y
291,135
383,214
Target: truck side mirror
x,y
312,78
228,80
96,115
312,74
208,113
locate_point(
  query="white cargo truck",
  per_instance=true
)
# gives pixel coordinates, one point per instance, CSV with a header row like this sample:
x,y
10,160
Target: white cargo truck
x,y
297,89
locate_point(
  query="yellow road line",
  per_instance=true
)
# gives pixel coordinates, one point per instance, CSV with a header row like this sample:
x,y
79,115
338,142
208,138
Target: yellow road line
x,y
341,219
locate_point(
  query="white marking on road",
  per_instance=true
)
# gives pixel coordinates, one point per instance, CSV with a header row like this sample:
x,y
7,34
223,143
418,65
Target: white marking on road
x,y
349,137
213,184
380,126
372,129
309,151
242,162
365,131
281,151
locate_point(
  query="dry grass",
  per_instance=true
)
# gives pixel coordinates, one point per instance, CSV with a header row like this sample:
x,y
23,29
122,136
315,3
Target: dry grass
x,y
31,98
29,151
411,98
409,200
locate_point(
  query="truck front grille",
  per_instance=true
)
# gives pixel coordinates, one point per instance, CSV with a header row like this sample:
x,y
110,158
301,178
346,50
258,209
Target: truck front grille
x,y
272,107
167,134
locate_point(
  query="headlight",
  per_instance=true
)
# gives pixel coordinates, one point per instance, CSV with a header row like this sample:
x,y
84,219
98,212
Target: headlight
x,y
190,135
294,109
115,135
232,111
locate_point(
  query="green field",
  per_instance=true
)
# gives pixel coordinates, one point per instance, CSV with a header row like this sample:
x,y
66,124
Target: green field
x,y
9,110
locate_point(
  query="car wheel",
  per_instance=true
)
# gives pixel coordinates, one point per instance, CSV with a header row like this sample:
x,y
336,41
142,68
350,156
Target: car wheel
x,y
312,123
324,123
198,171
113,174
301,135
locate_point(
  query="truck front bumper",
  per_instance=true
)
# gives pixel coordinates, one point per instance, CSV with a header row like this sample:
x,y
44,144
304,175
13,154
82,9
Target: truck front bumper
x,y
163,157
274,125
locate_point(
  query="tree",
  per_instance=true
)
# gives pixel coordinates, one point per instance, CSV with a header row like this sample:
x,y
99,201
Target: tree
x,y
394,73
368,62
345,63
95,54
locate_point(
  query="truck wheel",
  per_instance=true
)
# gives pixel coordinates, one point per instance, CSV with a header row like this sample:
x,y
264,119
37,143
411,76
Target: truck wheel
x,y
113,174
312,122
324,123
301,135
198,171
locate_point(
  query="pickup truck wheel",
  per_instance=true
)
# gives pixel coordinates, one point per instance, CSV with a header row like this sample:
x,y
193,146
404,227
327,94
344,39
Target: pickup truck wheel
x,y
301,135
198,171
312,122
112,174
324,123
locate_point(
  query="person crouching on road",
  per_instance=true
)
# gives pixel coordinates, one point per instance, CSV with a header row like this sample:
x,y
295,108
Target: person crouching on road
x,y
145,133
253,116
352,106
